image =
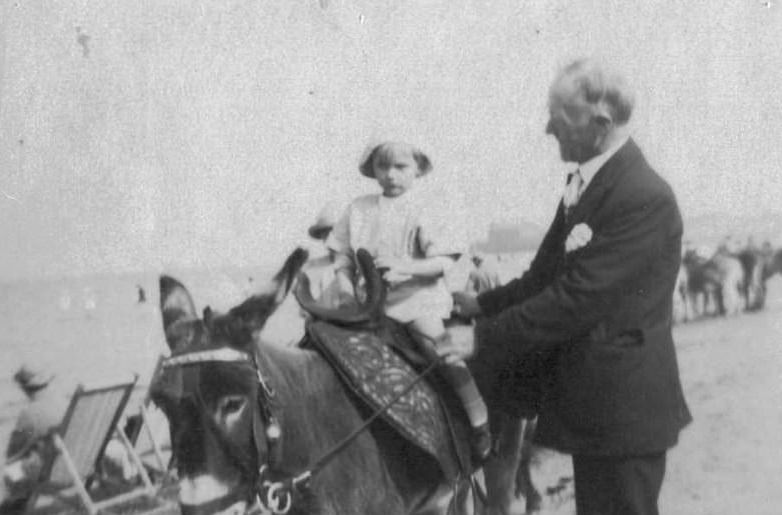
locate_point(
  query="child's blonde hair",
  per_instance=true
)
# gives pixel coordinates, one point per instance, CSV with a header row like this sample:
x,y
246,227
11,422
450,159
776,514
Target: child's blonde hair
x,y
384,153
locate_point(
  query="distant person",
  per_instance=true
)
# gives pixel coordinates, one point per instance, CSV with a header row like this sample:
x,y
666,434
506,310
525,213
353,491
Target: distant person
x,y
286,326
596,302
142,295
484,275
28,448
751,245
413,250
320,267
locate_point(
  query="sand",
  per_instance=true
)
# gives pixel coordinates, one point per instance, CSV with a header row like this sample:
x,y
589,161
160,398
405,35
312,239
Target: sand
x,y
729,460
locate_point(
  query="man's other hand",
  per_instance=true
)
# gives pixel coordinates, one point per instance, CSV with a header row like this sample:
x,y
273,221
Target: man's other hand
x,y
466,304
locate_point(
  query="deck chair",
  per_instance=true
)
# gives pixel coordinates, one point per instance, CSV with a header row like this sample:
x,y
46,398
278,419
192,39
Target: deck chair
x,y
89,423
150,438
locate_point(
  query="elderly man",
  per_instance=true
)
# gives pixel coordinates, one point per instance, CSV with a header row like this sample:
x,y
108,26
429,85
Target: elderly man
x,y
593,312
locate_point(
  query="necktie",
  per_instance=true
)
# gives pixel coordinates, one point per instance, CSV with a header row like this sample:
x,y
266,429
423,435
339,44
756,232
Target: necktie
x,y
572,191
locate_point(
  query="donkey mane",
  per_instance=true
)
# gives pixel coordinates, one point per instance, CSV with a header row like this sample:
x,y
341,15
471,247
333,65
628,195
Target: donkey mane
x,y
293,369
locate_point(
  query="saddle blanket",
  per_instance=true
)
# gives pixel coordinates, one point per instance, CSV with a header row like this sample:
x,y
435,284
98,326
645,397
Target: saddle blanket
x,y
377,374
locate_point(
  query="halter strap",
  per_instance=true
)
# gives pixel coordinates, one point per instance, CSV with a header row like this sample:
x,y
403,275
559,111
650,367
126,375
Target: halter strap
x,y
222,354
277,496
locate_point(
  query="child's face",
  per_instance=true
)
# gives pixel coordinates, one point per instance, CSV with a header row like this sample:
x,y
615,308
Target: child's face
x,y
396,172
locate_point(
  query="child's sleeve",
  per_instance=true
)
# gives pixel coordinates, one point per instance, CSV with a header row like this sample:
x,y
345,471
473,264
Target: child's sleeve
x,y
438,236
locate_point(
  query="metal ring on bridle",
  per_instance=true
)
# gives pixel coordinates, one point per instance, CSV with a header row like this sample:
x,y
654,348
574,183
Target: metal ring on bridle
x,y
273,499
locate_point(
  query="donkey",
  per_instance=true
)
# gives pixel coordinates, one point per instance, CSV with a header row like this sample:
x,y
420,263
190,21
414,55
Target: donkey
x,y
769,262
253,423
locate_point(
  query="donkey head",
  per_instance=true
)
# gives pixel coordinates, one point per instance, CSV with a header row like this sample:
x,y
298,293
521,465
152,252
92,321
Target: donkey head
x,y
210,391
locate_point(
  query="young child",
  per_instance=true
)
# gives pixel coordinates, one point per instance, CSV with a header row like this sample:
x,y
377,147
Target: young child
x,y
413,252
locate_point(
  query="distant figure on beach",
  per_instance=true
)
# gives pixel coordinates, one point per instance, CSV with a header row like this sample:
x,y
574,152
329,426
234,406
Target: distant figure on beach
x,y
142,295
65,300
286,326
89,299
320,267
28,447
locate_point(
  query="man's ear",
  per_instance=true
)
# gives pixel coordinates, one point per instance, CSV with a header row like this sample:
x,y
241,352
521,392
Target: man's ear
x,y
602,116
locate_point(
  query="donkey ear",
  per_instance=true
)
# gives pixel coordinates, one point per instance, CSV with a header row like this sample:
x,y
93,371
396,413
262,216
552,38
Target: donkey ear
x,y
284,279
177,306
254,311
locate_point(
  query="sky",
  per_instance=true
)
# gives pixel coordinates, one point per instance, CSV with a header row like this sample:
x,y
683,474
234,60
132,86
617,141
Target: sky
x,y
150,135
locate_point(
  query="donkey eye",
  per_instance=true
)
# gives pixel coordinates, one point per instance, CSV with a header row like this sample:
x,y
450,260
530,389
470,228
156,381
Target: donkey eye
x,y
232,404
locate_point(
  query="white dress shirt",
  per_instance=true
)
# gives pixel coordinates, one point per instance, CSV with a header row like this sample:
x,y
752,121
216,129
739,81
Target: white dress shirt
x,y
589,168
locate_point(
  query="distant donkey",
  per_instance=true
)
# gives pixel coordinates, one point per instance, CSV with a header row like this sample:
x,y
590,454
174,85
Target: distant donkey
x,y
714,284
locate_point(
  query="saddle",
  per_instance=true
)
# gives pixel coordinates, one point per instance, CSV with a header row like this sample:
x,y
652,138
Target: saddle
x,y
377,362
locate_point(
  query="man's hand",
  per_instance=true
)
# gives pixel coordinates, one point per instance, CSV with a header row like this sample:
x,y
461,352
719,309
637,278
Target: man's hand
x,y
461,345
466,304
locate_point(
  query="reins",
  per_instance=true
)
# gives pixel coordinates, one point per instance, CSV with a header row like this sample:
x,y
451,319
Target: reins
x,y
277,495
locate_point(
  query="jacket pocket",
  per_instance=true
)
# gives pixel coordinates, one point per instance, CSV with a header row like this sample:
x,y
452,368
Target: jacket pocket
x,y
630,338
600,337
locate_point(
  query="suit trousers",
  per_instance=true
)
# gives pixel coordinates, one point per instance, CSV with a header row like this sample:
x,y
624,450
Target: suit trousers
x,y
625,485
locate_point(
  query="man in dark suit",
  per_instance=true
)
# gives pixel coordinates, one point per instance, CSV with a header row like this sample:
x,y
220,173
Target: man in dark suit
x,y
589,324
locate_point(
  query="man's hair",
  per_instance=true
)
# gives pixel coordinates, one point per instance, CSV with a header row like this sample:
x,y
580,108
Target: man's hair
x,y
598,86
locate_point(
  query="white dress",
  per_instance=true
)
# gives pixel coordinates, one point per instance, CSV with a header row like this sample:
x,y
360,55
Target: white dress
x,y
400,227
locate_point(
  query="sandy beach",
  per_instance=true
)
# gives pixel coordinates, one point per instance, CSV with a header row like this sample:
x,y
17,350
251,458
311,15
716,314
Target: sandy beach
x,y
728,460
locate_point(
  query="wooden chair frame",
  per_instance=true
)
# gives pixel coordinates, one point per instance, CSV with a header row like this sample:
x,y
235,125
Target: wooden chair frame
x,y
81,472
145,430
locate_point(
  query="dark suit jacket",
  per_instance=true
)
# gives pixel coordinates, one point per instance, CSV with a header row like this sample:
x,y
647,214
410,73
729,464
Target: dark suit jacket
x,y
602,317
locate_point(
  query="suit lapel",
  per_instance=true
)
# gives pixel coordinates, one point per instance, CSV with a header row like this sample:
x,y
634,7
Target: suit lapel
x,y
602,182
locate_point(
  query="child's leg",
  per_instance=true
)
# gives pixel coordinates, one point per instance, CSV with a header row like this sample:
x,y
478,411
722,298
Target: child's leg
x,y
429,332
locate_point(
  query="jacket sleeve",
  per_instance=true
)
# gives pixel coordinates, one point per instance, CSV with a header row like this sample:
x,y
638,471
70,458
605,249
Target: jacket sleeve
x,y
592,281
534,279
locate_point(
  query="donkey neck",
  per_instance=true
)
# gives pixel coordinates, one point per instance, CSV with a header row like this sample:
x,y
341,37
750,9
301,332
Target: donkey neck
x,y
315,412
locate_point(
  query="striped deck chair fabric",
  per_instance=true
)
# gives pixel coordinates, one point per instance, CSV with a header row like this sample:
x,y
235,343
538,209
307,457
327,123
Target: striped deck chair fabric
x,y
151,440
89,423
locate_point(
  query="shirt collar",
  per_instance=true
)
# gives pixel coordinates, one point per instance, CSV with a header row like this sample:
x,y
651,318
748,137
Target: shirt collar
x,y
588,169
405,198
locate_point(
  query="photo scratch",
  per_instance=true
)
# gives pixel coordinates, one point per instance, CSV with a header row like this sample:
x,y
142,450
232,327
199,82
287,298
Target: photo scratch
x,y
9,197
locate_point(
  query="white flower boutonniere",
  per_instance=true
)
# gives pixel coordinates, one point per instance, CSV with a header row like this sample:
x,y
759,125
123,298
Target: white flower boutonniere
x,y
578,237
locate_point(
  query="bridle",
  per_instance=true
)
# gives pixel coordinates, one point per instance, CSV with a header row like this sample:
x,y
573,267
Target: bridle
x,y
275,495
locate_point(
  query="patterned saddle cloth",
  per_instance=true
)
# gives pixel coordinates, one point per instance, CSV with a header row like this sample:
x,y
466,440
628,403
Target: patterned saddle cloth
x,y
370,363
